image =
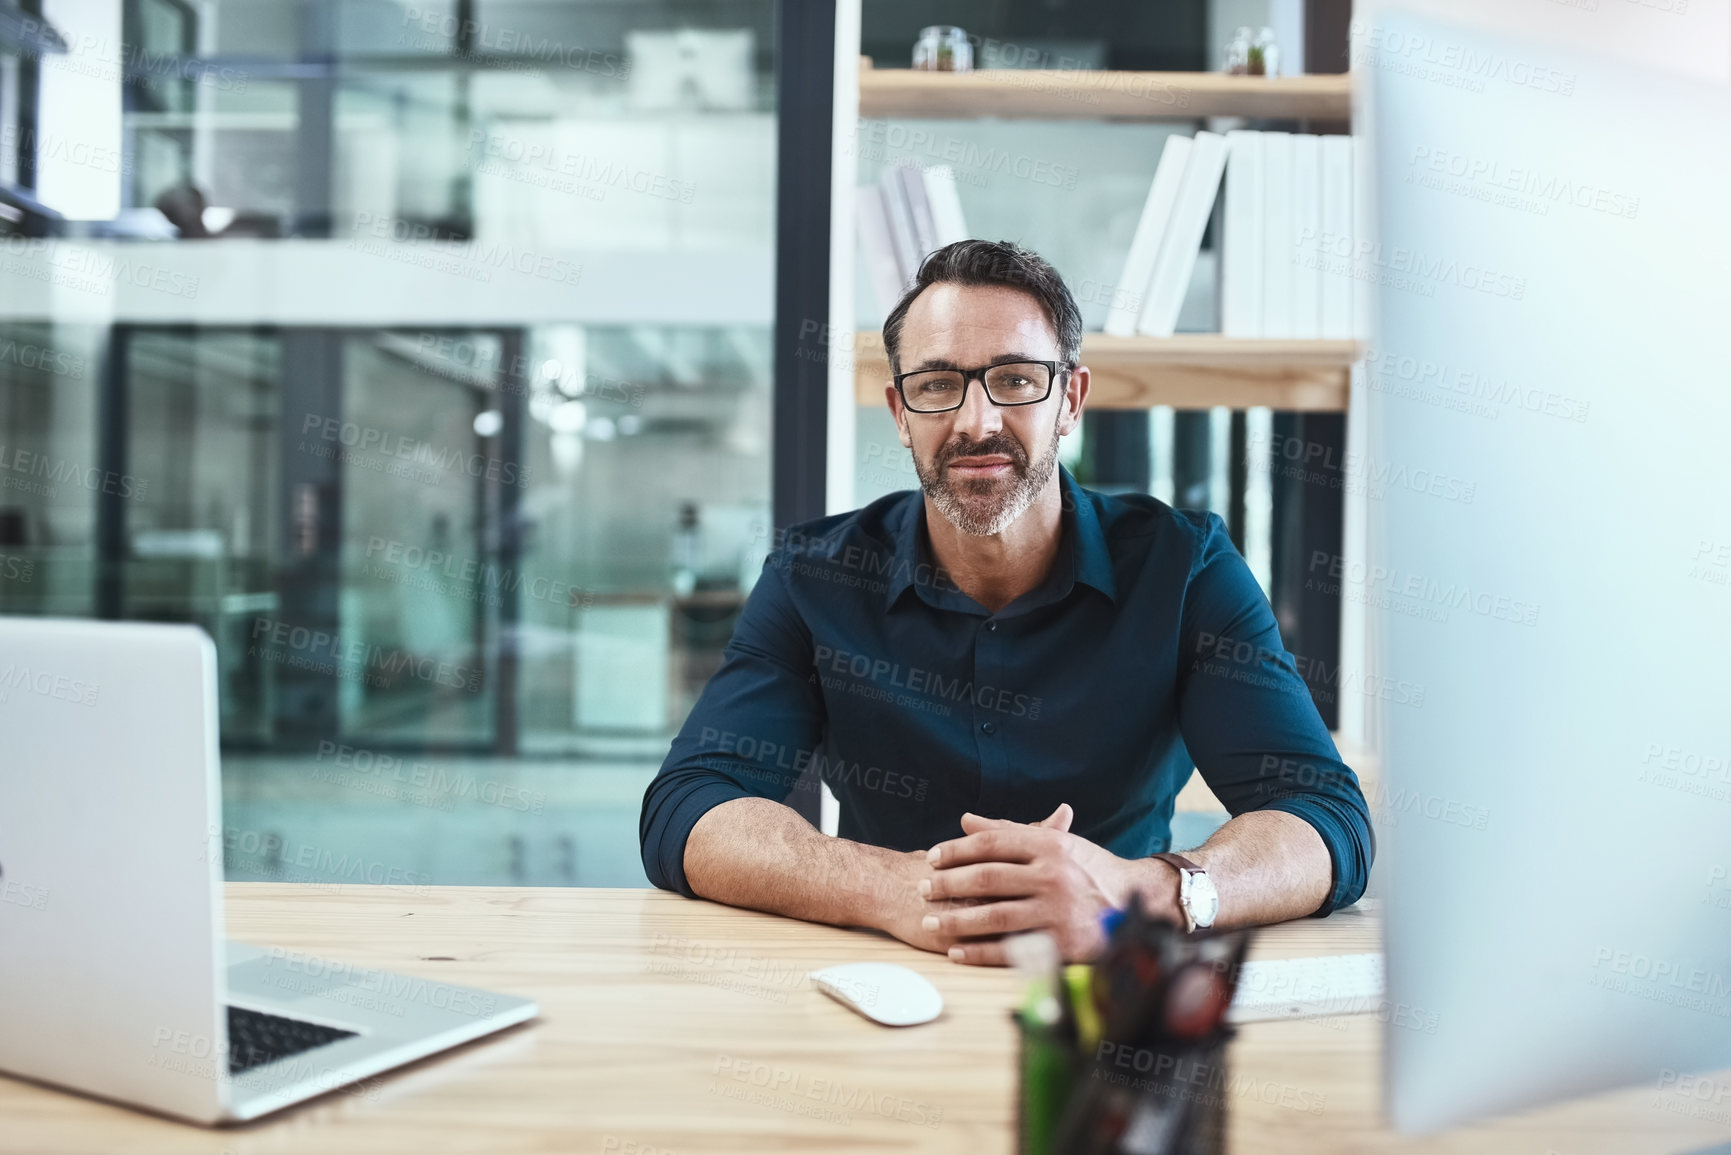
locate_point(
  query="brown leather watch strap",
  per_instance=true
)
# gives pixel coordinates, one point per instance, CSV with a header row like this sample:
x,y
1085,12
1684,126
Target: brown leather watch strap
x,y
1179,861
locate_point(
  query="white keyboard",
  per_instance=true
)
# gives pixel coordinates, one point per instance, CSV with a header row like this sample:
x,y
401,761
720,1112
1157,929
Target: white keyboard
x,y
1303,988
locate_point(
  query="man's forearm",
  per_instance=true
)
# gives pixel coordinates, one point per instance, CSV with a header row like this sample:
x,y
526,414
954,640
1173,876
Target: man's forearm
x,y
755,853
1268,866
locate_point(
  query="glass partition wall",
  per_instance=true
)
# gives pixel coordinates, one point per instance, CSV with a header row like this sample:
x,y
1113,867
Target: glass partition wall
x,y
420,354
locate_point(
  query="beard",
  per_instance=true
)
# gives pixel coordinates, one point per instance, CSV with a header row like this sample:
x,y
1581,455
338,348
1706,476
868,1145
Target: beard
x,y
987,506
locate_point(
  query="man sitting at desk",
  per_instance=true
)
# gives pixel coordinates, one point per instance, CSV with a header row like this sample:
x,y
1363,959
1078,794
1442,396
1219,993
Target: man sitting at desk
x,y
1005,679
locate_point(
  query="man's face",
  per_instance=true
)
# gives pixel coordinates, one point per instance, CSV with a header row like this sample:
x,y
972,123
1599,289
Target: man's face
x,y
983,464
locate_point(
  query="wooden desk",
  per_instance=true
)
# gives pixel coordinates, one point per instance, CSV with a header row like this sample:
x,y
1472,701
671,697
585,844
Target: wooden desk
x,y
661,1017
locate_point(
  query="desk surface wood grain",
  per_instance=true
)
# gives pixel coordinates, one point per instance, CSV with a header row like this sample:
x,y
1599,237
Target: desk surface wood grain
x,y
671,1026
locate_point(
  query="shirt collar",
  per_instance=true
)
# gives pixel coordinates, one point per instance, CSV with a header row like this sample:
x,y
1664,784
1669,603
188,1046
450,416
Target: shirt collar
x,y
1089,560
1093,556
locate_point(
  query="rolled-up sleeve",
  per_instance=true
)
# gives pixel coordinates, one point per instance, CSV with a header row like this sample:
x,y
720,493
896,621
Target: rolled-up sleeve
x,y
751,733
1248,720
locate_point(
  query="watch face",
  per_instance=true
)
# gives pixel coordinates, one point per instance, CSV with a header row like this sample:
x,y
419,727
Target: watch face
x,y
1204,900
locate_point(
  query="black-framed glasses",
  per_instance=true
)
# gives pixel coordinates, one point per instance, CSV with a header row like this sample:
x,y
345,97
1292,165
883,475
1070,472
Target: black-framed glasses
x,y
1007,383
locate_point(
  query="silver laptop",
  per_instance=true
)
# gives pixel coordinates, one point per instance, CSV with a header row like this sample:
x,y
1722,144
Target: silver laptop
x,y
115,976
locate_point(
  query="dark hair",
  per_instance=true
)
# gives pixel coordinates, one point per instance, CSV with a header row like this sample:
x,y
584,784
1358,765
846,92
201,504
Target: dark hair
x,y
993,263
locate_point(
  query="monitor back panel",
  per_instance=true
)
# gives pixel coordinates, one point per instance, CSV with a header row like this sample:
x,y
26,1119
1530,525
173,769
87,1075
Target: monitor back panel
x,y
1549,501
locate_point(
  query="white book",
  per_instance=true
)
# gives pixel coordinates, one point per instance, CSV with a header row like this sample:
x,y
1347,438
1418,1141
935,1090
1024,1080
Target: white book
x,y
1138,271
1300,261
879,248
1334,249
946,205
1183,237
1277,234
901,222
1241,246
914,189
1363,242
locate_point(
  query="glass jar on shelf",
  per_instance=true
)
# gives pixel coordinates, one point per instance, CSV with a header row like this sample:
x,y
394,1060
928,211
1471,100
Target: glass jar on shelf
x,y
1238,53
1265,54
943,48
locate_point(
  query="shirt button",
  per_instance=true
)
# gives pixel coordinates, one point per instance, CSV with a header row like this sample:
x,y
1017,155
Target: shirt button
x,y
988,727
991,625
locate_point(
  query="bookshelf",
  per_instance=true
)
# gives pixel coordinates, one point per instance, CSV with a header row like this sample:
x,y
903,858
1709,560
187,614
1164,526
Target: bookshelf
x,y
1188,371
1073,94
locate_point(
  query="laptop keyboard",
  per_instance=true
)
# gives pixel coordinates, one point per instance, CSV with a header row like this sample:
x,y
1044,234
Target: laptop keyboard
x,y
255,1038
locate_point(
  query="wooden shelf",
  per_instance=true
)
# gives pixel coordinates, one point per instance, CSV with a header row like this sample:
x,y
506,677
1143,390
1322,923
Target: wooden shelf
x,y
1190,371
1075,94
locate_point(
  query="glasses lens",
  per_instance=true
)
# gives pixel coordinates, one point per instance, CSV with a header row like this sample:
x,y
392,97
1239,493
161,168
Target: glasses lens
x,y
1018,383
939,389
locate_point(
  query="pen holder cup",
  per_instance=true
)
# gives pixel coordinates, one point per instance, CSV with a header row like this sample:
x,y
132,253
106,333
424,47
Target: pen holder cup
x,y
1167,1099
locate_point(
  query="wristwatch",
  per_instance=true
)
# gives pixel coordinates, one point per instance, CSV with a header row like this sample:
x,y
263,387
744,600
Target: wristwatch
x,y
1197,897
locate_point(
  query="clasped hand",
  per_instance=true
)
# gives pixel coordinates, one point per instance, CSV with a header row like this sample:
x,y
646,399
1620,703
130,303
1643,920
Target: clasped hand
x,y
1003,877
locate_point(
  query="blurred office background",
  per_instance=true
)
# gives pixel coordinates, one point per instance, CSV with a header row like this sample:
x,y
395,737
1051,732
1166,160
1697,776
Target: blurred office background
x,y
422,354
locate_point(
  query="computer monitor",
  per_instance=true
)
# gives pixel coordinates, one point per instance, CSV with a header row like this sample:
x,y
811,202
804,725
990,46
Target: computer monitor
x,y
1548,485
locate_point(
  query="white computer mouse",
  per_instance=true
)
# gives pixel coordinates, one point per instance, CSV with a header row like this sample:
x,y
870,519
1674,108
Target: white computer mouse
x,y
883,992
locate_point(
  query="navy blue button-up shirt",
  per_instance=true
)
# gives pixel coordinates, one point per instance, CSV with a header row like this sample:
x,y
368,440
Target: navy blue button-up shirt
x,y
1147,649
